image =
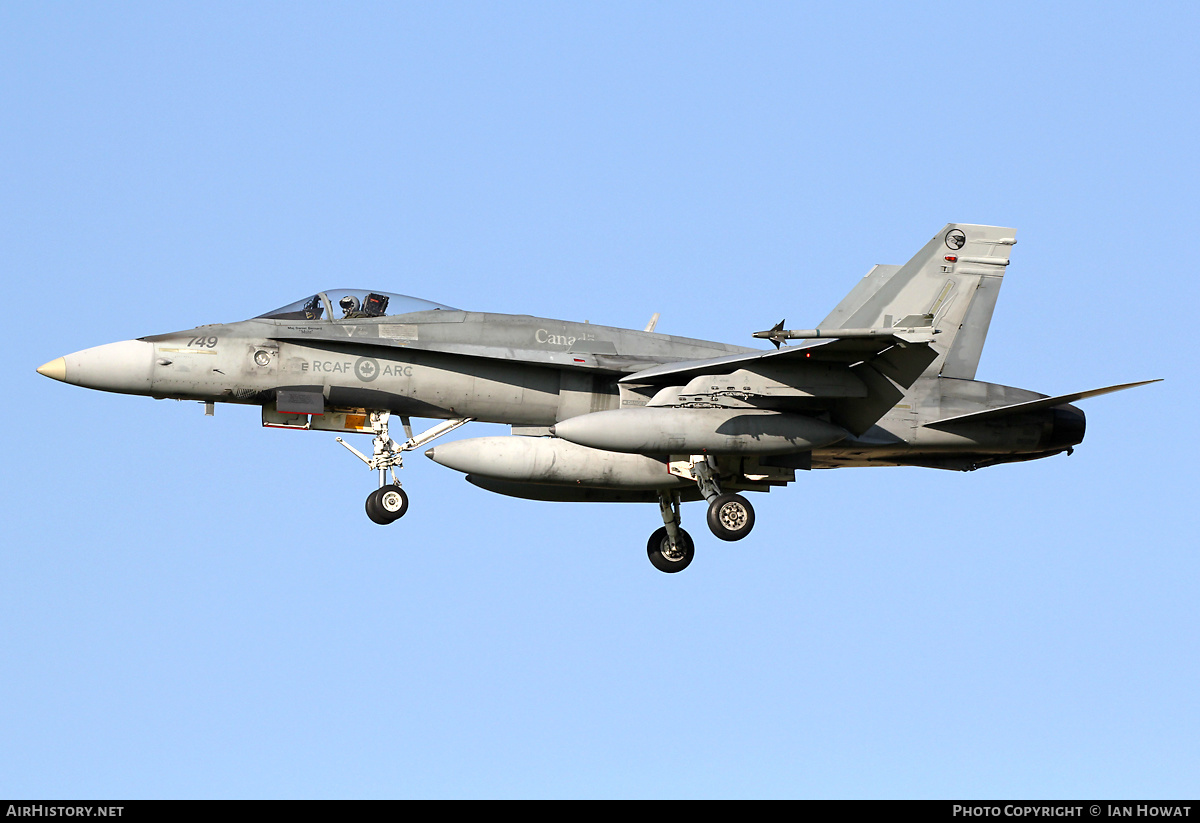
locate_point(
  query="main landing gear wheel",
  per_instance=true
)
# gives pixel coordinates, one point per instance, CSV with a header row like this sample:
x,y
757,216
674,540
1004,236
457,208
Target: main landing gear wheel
x,y
730,516
665,560
387,504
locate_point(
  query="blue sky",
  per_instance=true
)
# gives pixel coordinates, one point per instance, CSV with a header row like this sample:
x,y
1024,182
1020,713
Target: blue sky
x,y
196,607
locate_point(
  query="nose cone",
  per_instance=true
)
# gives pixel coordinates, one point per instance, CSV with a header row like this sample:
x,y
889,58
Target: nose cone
x,y
117,367
55,369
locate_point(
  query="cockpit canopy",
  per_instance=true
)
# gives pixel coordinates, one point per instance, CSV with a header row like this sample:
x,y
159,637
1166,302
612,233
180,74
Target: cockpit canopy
x,y
351,304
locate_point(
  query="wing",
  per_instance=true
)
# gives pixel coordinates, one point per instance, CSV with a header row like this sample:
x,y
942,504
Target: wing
x,y
833,350
854,380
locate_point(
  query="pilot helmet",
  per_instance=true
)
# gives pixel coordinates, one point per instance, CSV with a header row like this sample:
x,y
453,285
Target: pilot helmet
x,y
349,304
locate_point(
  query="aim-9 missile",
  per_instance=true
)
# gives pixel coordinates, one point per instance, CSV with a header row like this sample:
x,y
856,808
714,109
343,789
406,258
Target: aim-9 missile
x,y
909,334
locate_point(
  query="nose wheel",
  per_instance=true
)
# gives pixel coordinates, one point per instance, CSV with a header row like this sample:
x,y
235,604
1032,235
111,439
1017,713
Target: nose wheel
x,y
388,503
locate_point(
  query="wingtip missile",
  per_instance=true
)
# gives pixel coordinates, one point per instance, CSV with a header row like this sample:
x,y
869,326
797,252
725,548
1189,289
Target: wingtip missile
x,y
910,334
772,333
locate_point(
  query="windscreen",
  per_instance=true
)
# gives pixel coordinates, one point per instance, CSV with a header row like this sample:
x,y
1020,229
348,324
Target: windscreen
x,y
352,304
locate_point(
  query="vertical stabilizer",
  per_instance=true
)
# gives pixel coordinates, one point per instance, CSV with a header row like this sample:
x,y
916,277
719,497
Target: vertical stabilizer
x,y
953,281
862,291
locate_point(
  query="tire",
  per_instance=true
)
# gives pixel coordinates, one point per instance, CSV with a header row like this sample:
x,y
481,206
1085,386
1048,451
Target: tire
x,y
376,514
658,543
392,502
730,516
387,504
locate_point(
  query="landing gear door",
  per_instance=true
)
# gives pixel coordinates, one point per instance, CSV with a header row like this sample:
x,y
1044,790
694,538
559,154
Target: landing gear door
x,y
349,421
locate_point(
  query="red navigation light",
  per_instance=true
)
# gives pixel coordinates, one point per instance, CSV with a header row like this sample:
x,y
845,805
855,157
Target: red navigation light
x,y
951,258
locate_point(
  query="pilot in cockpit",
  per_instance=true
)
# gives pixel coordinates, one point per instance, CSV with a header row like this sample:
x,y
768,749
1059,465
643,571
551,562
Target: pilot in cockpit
x,y
350,307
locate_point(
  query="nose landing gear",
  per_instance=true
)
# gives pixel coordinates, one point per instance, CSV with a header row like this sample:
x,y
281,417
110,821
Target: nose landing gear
x,y
389,503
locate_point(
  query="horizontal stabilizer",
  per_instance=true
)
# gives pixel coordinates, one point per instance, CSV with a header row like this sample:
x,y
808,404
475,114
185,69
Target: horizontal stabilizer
x,y
1034,405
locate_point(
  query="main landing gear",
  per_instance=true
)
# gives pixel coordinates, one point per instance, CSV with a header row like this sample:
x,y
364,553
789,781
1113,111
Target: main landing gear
x,y
389,503
730,517
670,548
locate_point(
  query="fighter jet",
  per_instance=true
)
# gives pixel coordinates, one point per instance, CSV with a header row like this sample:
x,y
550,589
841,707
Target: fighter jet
x,y
609,414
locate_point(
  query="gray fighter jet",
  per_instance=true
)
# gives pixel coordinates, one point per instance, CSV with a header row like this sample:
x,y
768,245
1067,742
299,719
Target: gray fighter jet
x,y
608,414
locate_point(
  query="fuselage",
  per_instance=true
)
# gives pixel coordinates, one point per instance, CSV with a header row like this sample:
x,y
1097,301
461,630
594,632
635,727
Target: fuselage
x,y
523,371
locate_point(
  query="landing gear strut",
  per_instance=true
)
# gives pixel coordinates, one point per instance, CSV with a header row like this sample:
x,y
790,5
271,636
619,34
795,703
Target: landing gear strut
x,y
730,516
389,503
670,549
